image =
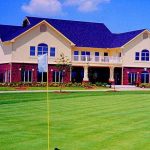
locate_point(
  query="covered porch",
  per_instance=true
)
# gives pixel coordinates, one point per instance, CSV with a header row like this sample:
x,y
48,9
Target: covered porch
x,y
97,74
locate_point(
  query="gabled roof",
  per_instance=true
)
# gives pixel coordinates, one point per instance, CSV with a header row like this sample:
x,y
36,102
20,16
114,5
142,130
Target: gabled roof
x,y
7,30
82,34
123,38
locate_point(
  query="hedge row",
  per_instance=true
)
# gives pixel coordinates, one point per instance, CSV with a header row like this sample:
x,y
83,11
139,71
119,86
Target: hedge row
x,y
39,84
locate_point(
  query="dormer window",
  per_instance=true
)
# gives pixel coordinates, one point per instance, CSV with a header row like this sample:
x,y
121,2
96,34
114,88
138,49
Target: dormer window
x,y
43,28
145,35
25,23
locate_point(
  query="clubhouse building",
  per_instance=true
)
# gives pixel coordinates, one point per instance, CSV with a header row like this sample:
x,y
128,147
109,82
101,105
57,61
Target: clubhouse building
x,y
96,54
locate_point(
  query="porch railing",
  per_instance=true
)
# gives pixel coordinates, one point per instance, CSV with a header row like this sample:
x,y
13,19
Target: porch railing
x,y
96,59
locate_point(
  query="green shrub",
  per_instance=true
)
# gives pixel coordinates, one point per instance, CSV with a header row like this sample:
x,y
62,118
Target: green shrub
x,y
144,85
52,84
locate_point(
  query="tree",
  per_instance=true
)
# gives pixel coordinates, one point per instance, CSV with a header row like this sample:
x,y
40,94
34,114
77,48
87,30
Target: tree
x,y
63,64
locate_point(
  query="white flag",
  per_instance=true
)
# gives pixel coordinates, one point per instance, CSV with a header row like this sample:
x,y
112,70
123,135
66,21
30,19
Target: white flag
x,y
42,63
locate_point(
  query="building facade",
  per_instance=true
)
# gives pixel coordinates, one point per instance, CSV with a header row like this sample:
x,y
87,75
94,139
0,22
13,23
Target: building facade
x,y
96,54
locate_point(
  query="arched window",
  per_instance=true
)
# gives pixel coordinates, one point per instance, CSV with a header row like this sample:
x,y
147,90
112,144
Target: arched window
x,y
42,49
144,77
145,55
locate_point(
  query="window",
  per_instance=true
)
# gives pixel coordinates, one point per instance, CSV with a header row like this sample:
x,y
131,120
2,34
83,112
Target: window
x,y
145,55
132,78
119,54
32,50
42,49
96,56
145,35
137,56
43,28
42,76
85,56
145,77
76,52
52,51
26,76
76,55
57,76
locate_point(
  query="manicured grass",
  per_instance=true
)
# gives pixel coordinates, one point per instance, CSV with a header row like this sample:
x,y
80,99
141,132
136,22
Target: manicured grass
x,y
79,121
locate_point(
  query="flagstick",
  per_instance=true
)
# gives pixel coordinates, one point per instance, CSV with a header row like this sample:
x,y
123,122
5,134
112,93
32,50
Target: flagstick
x,y
48,110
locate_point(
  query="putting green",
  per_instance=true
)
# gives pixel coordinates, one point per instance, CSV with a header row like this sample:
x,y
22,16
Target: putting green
x,y
79,121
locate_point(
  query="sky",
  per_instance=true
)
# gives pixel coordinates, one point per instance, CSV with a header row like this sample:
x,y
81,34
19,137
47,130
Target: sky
x,y
118,15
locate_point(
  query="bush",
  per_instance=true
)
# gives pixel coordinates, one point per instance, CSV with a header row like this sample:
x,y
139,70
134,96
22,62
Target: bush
x,y
144,85
52,84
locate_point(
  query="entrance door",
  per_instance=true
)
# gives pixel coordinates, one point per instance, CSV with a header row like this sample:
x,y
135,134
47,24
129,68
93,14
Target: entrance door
x,y
118,76
145,77
132,78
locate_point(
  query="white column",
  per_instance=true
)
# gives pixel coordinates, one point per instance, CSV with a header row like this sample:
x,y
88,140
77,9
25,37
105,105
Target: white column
x,y
86,78
111,78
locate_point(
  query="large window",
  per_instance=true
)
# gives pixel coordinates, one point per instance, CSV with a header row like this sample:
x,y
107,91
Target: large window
x,y
132,78
57,76
137,56
26,76
145,77
42,49
145,55
52,51
32,50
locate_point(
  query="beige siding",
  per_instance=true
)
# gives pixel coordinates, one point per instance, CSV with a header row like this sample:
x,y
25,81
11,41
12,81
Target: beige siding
x,y
129,50
21,48
5,53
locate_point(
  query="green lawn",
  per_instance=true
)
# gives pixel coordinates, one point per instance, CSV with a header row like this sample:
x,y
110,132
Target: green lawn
x,y
79,121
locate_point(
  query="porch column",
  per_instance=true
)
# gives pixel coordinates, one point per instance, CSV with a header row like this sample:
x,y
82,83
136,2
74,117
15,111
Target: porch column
x,y
86,78
111,77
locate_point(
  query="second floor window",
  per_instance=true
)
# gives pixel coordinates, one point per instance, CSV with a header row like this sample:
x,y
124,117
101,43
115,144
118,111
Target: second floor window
x,y
137,56
145,55
32,50
42,49
76,55
96,56
85,56
52,51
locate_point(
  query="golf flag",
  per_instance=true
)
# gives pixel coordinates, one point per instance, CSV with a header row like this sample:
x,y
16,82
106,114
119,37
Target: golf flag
x,y
42,63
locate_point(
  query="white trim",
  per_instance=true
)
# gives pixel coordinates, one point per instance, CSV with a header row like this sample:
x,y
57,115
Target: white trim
x,y
134,38
44,21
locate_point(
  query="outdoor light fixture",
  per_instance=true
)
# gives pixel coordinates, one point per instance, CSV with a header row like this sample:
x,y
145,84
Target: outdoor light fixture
x,y
19,69
32,69
52,70
128,72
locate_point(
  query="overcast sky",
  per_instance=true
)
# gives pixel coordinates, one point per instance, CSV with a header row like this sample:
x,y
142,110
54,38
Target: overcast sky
x,y
117,15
